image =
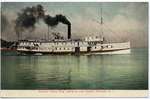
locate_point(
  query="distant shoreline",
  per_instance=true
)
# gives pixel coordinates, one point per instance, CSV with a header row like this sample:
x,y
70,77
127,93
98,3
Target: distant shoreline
x,y
7,49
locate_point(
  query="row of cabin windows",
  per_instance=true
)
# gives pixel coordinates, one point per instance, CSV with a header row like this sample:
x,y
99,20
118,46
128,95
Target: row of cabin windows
x,y
68,43
108,46
29,43
91,38
63,48
54,43
55,48
63,43
23,47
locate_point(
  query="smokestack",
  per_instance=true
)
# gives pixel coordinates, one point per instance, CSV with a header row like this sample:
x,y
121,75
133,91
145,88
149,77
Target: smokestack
x,y
69,31
53,21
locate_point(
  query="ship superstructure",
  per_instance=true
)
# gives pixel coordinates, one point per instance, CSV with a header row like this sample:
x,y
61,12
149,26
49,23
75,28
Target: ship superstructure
x,y
89,45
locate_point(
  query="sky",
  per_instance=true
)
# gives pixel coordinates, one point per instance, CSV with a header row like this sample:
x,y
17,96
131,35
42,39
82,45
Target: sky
x,y
123,21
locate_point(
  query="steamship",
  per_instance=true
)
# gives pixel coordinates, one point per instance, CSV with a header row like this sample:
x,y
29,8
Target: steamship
x,y
59,45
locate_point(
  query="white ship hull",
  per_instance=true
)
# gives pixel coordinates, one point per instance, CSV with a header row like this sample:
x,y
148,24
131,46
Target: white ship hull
x,y
72,47
123,51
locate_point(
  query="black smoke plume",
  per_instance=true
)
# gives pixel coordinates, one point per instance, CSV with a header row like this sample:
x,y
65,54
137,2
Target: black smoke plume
x,y
30,15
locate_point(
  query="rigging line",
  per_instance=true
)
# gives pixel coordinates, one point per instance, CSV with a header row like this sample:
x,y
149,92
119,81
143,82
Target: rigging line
x,y
102,23
109,38
112,31
118,34
97,21
126,16
114,36
106,26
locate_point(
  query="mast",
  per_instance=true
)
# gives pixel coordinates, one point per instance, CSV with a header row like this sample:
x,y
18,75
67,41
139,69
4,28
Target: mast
x,y
101,20
102,24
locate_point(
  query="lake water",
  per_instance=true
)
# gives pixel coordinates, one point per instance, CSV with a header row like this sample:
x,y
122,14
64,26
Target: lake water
x,y
75,72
